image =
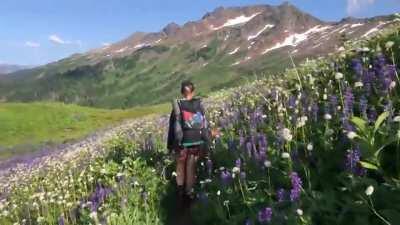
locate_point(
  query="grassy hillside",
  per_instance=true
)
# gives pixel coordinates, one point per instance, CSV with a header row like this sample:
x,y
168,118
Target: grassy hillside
x,y
26,126
148,76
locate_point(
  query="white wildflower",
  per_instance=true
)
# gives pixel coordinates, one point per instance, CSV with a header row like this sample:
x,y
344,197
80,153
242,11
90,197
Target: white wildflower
x,y
369,190
285,155
93,215
120,174
338,76
235,170
267,163
299,212
358,84
310,147
327,116
301,121
392,85
174,174
389,45
396,119
285,133
351,135
218,192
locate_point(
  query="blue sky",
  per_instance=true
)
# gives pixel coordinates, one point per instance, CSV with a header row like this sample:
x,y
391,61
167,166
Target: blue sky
x,y
35,32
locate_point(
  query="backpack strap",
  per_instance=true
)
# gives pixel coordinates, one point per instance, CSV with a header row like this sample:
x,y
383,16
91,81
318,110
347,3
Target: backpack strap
x,y
177,126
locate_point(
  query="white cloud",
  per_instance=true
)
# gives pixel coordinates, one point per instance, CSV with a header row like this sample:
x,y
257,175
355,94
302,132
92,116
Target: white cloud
x,y
105,44
60,41
355,6
57,40
32,44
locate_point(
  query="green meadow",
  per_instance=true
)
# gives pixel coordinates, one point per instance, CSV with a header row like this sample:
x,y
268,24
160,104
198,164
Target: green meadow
x,y
25,127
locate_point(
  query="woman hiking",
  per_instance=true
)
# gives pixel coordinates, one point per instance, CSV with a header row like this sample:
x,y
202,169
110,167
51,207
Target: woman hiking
x,y
188,137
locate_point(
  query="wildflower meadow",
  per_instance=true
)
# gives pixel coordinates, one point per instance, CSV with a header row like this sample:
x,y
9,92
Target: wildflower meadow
x,y
318,144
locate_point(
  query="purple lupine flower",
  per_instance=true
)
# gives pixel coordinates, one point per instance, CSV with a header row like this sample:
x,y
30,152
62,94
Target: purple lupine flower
x,y
238,163
367,81
304,99
248,222
379,61
363,106
356,65
61,220
241,138
348,102
280,194
353,162
292,102
249,147
314,112
296,186
265,215
347,126
333,103
99,196
262,140
209,167
226,177
256,155
372,114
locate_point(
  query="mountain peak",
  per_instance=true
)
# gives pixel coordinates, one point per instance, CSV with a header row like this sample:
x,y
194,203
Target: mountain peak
x,y
171,28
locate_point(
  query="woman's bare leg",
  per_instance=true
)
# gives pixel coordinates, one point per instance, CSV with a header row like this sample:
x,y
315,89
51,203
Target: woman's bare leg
x,y
190,172
180,168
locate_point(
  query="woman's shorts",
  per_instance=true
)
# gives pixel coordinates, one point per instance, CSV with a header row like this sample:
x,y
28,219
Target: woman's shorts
x,y
184,153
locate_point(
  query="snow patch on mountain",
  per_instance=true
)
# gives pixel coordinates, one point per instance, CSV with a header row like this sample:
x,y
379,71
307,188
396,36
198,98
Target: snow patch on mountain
x,y
121,50
234,51
295,39
236,21
356,25
373,30
236,63
260,31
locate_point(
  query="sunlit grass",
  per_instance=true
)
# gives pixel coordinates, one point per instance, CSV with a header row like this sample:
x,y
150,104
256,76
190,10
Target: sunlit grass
x,y
25,126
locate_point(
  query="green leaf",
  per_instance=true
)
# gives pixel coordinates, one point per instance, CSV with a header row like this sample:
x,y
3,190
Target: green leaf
x,y
368,165
380,120
360,123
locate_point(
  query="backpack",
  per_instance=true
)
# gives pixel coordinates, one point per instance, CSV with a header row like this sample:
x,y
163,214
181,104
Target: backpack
x,y
190,126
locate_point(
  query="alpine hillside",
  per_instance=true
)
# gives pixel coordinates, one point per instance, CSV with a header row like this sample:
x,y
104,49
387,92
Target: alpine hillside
x,y
226,47
8,68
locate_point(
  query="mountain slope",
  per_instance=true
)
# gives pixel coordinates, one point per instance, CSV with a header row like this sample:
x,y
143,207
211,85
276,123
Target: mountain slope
x,y
226,47
8,68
